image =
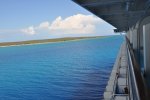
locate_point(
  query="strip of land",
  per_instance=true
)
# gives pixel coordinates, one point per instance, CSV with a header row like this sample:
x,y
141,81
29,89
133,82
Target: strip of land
x,y
4,44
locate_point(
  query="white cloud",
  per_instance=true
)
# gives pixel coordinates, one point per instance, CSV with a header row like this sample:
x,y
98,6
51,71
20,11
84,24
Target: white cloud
x,y
44,25
75,24
30,30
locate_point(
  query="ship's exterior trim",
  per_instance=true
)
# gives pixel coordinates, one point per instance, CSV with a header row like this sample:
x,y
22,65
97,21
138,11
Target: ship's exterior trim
x,y
122,14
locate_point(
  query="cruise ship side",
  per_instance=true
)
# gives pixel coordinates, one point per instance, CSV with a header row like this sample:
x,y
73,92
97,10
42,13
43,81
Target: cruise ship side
x,y
130,76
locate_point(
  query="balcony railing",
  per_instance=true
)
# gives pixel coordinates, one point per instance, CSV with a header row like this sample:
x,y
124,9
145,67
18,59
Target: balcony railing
x,y
136,81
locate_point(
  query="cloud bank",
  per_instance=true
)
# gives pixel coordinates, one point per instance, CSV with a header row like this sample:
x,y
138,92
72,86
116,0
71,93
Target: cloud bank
x,y
76,24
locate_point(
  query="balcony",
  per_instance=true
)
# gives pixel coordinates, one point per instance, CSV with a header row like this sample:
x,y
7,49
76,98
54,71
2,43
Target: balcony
x,y
126,81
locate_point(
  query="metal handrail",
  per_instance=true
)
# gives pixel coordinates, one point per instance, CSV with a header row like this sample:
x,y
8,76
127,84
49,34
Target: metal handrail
x,y
132,77
136,80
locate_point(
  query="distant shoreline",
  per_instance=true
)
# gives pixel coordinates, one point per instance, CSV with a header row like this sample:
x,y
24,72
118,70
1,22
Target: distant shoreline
x,y
45,41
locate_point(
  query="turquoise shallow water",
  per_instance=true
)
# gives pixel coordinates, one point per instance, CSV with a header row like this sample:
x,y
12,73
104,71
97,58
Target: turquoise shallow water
x,y
74,70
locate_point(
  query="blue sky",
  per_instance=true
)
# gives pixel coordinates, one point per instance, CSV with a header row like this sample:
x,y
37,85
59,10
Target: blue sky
x,y
39,19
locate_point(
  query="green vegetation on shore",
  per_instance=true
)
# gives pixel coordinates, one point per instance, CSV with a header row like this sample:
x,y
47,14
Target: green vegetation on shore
x,y
46,41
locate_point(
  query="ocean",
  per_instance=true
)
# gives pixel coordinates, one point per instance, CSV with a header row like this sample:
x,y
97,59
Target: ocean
x,y
73,70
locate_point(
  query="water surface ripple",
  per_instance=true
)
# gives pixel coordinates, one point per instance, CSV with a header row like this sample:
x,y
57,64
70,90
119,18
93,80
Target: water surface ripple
x,y
74,70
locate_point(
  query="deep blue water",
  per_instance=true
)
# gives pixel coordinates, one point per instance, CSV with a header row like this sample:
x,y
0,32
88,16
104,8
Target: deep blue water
x,y
74,70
